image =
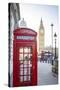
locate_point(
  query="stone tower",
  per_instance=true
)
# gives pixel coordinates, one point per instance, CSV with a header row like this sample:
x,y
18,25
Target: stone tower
x,y
41,37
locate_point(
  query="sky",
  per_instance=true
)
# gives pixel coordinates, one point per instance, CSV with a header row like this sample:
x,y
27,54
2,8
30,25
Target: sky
x,y
32,14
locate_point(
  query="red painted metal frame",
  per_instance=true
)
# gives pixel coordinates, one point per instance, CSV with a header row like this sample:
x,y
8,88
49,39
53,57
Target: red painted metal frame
x,y
24,43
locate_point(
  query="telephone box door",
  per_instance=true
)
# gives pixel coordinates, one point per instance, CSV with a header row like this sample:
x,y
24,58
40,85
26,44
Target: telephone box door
x,y
25,73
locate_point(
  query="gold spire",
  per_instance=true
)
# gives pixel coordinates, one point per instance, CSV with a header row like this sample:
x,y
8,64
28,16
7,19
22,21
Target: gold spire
x,y
41,25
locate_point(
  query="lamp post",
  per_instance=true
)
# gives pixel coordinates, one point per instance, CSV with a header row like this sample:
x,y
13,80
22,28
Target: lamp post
x,y
55,35
55,58
52,37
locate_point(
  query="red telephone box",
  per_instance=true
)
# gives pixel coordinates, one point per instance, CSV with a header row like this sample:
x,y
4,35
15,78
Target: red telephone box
x,y
24,57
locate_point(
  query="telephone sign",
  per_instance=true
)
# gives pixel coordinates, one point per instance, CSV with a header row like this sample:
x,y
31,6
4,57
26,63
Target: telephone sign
x,y
25,37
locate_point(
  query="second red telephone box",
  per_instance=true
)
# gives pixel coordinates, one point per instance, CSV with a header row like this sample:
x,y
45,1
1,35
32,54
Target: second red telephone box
x,y
24,57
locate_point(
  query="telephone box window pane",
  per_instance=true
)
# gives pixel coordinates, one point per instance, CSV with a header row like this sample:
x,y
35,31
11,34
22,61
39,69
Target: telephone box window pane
x,y
21,65
21,78
25,50
30,64
29,71
25,56
25,71
21,50
29,78
21,72
20,56
25,78
21,61
21,69
25,63
30,56
30,49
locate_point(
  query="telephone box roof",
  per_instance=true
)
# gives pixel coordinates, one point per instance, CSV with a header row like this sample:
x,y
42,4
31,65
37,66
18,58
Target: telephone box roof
x,y
25,31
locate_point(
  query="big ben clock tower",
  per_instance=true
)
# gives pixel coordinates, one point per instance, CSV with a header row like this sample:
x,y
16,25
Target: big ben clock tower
x,y
41,37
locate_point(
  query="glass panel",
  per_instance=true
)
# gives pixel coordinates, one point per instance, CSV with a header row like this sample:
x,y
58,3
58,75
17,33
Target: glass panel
x,y
21,65
25,50
20,56
21,50
21,69
25,56
29,71
21,72
30,49
25,63
30,64
25,78
30,56
21,61
25,71
21,78
29,78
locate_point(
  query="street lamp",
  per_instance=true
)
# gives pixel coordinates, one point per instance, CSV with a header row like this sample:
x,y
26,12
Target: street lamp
x,y
55,35
52,36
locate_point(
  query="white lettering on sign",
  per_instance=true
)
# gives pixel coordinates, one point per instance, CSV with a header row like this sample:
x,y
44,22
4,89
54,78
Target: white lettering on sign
x,y
25,37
